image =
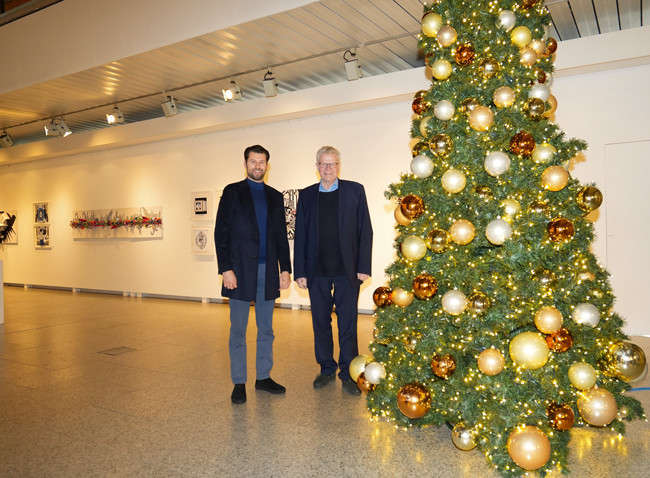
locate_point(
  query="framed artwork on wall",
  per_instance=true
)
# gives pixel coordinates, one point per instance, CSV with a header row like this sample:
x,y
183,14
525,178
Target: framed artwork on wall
x,y
202,240
42,237
41,213
8,227
202,206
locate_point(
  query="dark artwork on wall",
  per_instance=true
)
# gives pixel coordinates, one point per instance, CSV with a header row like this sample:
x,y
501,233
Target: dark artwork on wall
x,y
7,230
290,206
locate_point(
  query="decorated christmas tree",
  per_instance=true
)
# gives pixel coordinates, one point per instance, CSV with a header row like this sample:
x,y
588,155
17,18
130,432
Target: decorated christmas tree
x,y
497,319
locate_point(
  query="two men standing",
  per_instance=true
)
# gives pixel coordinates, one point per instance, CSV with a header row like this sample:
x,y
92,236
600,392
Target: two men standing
x,y
333,249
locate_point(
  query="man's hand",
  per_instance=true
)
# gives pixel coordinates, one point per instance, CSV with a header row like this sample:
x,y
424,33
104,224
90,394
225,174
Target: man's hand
x,y
285,280
362,277
229,280
302,282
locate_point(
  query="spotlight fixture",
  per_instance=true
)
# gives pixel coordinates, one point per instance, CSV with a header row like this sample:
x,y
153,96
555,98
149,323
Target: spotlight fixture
x,y
57,127
115,117
5,140
233,92
169,106
270,86
352,66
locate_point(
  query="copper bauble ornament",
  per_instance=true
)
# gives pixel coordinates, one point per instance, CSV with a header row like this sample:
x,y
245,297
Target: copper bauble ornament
x,y
536,108
443,366
529,447
478,303
420,94
589,198
414,400
419,148
488,68
382,296
560,416
551,47
484,192
412,206
425,286
440,144
464,55
598,407
402,298
420,105
364,385
538,207
411,341
522,143
491,362
560,341
560,229
528,4
438,240
468,104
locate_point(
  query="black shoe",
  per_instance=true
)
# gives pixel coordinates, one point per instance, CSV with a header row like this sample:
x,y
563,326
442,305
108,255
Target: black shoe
x,y
322,380
351,387
268,385
239,394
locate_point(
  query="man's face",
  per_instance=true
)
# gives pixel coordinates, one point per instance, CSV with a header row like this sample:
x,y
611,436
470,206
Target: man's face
x,y
328,167
256,166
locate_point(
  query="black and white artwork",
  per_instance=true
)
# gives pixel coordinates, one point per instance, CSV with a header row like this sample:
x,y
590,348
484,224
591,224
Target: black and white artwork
x,y
42,237
8,234
202,240
290,207
202,206
41,213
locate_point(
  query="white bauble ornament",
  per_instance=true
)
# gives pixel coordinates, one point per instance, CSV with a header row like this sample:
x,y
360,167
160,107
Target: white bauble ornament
x,y
444,110
454,302
586,314
507,20
498,231
422,166
540,91
496,163
375,372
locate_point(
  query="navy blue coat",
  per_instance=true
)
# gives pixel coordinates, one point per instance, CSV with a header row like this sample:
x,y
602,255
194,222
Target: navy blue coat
x,y
355,232
237,240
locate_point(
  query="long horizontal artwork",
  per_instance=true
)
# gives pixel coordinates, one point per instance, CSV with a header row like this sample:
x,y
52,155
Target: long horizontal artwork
x,y
133,222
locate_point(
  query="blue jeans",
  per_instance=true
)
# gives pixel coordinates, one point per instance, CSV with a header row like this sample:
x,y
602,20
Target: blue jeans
x,y
239,310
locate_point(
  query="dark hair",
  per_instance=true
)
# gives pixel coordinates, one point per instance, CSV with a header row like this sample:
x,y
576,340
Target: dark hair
x,y
256,149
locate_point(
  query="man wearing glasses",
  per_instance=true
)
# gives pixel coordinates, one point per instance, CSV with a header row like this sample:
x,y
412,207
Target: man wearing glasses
x,y
332,258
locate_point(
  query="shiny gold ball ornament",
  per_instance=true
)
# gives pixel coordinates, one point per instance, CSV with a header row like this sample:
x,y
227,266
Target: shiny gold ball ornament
x,y
555,178
454,302
414,400
491,362
425,286
529,447
378,338
488,68
382,296
462,232
528,4
641,377
543,153
552,100
358,365
529,350
420,105
453,181
443,366
468,104
545,277
419,148
625,360
412,206
444,110
560,416
503,96
463,437
597,407
538,207
400,218
560,229
364,385
481,118
414,248
522,144
438,240
446,36
375,372
539,46
582,375
527,56
511,208
484,192
551,46
425,126
441,69
478,303
431,23
536,108
402,298
520,36
589,198
441,145
560,341
465,54
548,320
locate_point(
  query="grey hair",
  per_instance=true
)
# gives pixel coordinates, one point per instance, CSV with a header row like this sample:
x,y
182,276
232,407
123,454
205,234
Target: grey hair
x,y
328,150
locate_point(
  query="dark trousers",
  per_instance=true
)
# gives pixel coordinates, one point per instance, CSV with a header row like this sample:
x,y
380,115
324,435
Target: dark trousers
x,y
346,299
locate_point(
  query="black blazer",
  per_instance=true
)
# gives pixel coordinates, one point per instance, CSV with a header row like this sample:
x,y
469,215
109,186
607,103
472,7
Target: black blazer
x,y
355,231
237,240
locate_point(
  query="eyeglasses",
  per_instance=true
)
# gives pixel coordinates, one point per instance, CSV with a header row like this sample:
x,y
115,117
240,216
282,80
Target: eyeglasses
x,y
328,165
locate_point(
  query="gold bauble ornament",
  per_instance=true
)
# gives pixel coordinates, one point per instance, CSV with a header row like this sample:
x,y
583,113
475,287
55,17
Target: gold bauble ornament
x,y
491,362
548,320
412,206
529,350
545,277
364,385
484,192
586,276
402,298
425,126
478,303
446,36
382,296
462,232
582,375
528,4
400,218
419,148
414,248
555,178
481,118
378,338
503,96
625,360
441,145
560,341
511,208
597,407
520,36
553,102
465,54
551,47
527,56
560,229
414,400
464,438
529,447
539,207
441,69
540,47
358,365
488,68
536,108
468,104
425,286
560,416
438,240
543,153
420,105
431,23
443,366
589,198
453,181
522,143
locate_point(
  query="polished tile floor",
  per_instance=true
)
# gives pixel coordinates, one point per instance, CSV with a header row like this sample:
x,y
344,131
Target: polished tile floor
x,y
164,410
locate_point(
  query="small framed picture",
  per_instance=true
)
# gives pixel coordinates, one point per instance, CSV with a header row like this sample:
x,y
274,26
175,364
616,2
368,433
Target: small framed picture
x,y
42,213
42,237
202,206
202,240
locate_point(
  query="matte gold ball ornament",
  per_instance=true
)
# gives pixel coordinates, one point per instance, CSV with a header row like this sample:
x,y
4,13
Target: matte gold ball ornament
x,y
441,145
364,385
488,68
511,208
414,400
400,218
548,320
425,286
597,407
402,298
503,97
441,69
527,56
414,248
560,416
478,303
443,366
464,438
555,178
560,229
520,36
536,108
462,232
522,143
446,36
431,23
382,296
481,118
589,198
529,447
491,362
358,365
539,46
453,181
560,341
529,350
438,240
582,375
412,206
465,54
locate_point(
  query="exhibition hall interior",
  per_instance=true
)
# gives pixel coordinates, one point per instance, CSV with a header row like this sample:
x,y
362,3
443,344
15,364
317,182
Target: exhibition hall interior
x,y
502,147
